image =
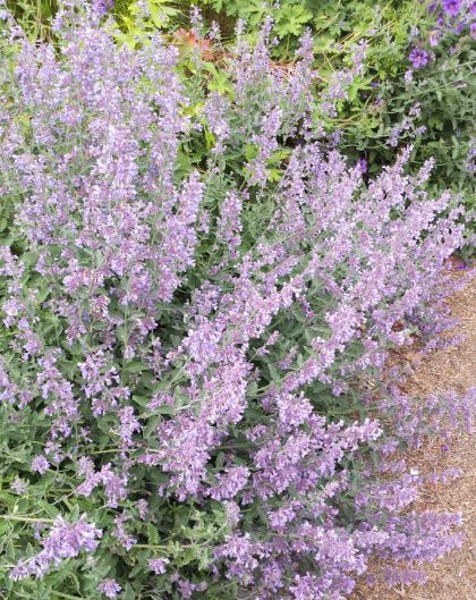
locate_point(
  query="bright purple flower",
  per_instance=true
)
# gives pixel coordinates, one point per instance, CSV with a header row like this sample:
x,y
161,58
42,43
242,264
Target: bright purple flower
x,y
363,165
102,7
418,57
451,7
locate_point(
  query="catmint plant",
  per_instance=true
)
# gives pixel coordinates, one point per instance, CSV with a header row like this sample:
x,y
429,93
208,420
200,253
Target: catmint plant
x,y
195,292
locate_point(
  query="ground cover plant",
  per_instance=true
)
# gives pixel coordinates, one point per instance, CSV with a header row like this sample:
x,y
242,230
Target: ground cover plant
x,y
198,297
417,84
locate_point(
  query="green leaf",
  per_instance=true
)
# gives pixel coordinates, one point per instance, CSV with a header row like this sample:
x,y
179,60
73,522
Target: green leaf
x,y
251,151
135,366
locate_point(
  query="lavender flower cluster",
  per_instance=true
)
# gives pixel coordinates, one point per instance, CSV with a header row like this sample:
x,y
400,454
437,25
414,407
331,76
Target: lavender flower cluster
x,y
63,541
189,331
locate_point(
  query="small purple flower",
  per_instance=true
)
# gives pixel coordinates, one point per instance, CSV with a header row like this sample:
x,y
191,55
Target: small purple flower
x,y
472,29
143,508
363,165
119,532
110,588
158,565
102,7
418,57
39,465
433,38
19,486
451,7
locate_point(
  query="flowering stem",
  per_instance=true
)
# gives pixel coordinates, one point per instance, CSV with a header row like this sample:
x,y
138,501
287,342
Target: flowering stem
x,y
108,451
62,595
153,547
26,519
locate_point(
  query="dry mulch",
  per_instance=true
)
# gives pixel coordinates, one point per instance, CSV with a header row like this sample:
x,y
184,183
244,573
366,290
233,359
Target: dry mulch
x,y
453,577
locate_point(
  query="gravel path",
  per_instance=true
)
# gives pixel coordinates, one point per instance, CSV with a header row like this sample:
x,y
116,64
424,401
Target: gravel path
x,y
454,577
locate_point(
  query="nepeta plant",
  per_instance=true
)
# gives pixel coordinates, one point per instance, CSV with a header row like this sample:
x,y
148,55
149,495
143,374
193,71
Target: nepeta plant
x,y
194,296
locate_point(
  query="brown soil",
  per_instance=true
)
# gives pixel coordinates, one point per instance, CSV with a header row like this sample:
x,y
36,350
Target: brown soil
x,y
453,577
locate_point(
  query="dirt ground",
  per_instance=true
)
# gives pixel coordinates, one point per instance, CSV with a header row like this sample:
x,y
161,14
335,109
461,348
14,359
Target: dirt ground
x,y
453,577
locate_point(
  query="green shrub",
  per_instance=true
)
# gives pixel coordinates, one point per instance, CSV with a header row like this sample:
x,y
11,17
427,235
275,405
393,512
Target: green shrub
x,y
194,294
442,96
379,100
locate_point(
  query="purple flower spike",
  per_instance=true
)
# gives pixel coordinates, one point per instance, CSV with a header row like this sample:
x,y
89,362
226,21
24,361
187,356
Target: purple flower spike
x,y
418,58
64,540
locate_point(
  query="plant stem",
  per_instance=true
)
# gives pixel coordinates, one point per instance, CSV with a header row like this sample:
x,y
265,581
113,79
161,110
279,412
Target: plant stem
x,y
25,519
